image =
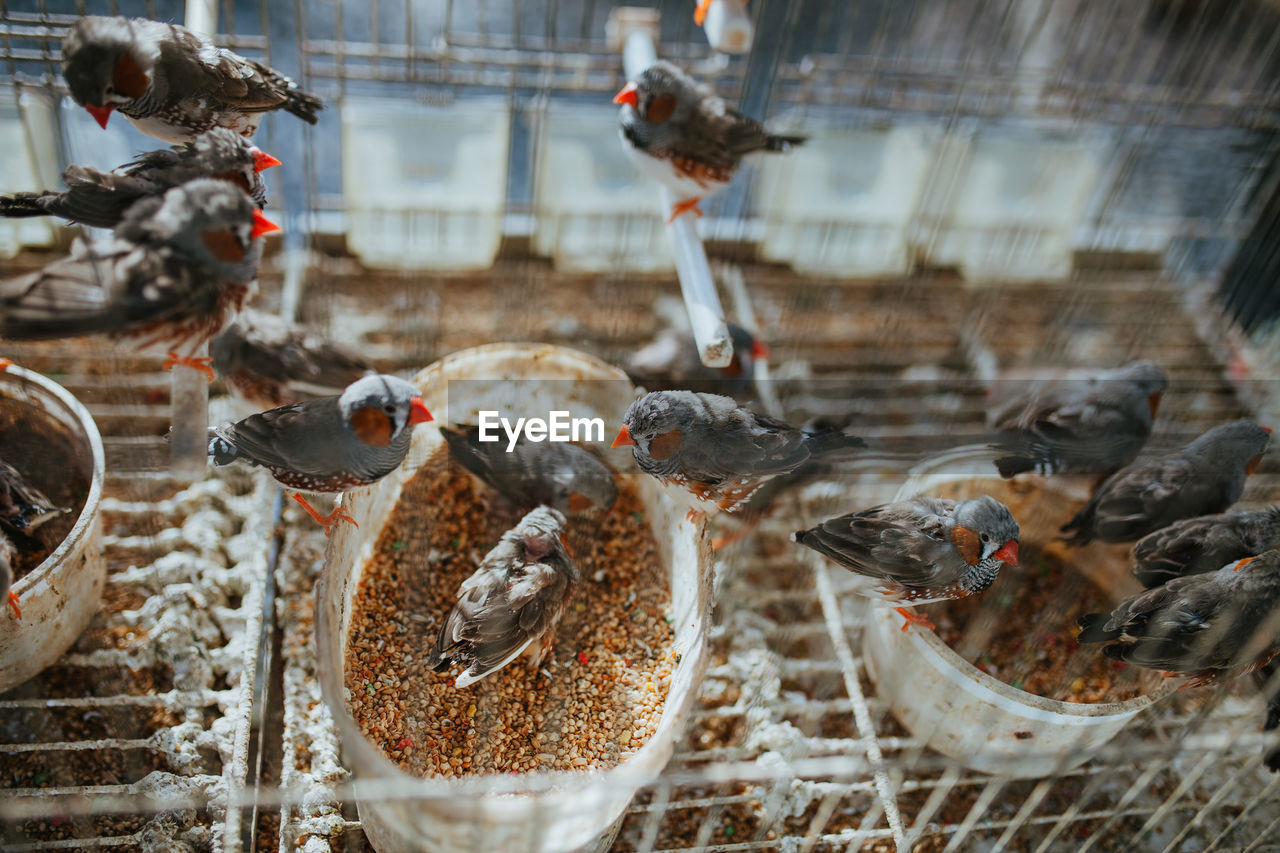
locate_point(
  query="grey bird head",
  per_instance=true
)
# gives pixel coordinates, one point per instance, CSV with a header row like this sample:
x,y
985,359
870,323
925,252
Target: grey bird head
x,y
657,422
1230,445
208,221
1149,378
108,63
994,526
657,105
379,408
226,155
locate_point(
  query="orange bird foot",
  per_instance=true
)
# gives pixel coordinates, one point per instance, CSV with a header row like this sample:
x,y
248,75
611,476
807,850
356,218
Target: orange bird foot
x,y
201,363
730,538
913,619
326,521
684,207
5,364
693,516
13,602
700,13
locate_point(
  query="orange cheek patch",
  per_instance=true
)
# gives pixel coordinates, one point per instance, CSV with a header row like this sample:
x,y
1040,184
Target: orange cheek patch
x,y
224,245
129,78
966,543
1253,464
660,109
372,426
578,503
666,444
1153,402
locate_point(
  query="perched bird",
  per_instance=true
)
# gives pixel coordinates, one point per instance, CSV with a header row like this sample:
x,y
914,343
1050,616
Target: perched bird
x,y
1080,426
671,361
1205,476
718,450
23,507
921,549
269,363
516,596
100,199
169,83
6,575
175,271
1210,627
683,135
329,444
1203,544
558,474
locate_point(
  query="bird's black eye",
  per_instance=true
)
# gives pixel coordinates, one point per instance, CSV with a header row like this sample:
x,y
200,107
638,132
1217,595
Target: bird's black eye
x,y
984,537
389,409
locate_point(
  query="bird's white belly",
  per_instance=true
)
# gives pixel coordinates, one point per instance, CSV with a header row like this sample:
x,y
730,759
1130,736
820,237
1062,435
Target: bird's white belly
x,y
682,186
158,128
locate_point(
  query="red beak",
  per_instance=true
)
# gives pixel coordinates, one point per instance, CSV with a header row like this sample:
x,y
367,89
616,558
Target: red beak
x,y
418,413
624,437
1009,553
1268,429
262,225
100,114
626,96
759,351
263,161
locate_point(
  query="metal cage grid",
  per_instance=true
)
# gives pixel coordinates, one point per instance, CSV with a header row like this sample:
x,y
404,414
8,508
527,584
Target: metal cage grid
x,y
789,748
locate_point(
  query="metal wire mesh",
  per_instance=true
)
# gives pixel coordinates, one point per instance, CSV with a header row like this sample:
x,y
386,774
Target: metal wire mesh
x,y
791,745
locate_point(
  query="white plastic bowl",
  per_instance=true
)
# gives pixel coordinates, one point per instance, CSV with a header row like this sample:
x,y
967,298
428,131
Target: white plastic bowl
x,y
59,596
543,812
961,711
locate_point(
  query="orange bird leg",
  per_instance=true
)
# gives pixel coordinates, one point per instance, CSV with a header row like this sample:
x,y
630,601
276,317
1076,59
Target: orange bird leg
x,y
5,364
13,602
700,13
732,537
693,516
326,521
913,619
201,363
683,207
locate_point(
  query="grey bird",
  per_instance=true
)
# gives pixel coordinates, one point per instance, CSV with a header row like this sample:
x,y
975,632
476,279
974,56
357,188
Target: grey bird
x,y
1204,543
1080,426
516,596
100,199
680,133
922,549
1210,627
6,575
329,444
268,363
169,83
671,361
719,451
174,271
558,474
1206,476
23,507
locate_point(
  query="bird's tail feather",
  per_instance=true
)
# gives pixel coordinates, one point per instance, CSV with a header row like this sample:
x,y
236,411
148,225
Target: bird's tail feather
x,y
782,142
1093,628
21,205
304,105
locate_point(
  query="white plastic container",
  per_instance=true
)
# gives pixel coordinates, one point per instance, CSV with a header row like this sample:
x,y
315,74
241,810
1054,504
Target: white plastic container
x,y
59,596
539,813
842,204
595,211
1013,204
950,704
424,186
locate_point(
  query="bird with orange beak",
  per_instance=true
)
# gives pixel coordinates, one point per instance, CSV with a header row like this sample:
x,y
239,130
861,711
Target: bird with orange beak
x,y
175,271
920,550
684,136
100,199
169,83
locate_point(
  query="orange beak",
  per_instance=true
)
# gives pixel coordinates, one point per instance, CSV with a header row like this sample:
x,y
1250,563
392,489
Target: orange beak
x,y
626,96
100,114
1009,553
263,161
624,437
262,225
1268,429
759,351
418,412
